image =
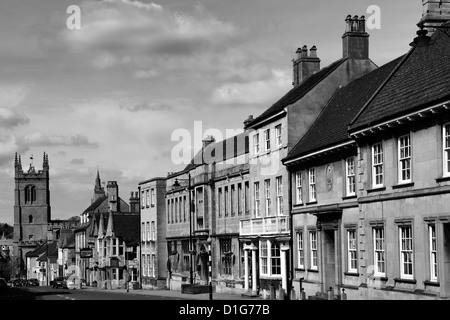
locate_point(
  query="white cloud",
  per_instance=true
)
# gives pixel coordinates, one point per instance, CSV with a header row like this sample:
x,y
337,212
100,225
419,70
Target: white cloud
x,y
254,92
114,29
10,118
8,147
12,95
137,4
146,74
40,139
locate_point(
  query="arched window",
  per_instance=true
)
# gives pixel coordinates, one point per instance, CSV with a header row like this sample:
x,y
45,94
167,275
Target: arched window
x,y
30,194
30,219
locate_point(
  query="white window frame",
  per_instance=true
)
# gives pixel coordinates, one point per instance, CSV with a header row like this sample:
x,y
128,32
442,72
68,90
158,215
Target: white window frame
x,y
279,185
446,149
257,193
433,253
406,252
269,259
312,185
278,137
226,201
300,250
313,252
379,252
298,187
350,176
264,251
219,201
143,231
144,267
267,140
267,198
404,158
148,230
153,264
256,144
377,163
153,232
352,253
153,197
147,198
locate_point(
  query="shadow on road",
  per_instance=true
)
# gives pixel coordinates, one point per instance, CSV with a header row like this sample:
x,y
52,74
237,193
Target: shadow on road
x,y
29,293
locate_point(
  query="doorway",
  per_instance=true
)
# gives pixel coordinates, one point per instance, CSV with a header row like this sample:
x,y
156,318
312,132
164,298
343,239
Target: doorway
x,y
329,263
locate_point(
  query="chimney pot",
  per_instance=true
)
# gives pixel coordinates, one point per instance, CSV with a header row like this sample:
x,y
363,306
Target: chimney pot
x,y
305,51
306,65
355,41
299,53
313,52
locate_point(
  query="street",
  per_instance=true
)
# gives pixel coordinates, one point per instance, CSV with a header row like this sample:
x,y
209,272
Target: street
x,y
48,293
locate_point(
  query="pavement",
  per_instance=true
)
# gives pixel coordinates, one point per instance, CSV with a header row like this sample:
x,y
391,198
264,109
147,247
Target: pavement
x,y
173,294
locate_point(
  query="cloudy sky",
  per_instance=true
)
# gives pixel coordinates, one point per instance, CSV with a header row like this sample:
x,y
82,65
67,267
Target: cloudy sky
x,y
111,94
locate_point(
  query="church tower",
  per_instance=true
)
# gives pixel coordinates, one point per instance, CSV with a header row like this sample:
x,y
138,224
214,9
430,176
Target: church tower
x,y
32,211
99,191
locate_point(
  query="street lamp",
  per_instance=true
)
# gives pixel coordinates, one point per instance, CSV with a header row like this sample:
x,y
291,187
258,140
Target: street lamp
x,y
210,268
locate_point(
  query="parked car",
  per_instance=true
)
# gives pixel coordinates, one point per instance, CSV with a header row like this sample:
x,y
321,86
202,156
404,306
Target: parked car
x,y
18,282
32,282
59,282
3,285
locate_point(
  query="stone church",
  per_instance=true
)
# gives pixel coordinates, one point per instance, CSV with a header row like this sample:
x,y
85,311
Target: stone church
x,y
33,225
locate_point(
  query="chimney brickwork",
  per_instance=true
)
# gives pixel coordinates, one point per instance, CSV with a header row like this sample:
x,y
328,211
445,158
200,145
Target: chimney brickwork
x,y
435,13
355,41
305,64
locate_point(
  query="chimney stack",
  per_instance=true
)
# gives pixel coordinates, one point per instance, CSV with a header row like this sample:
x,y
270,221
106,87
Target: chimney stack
x,y
113,195
435,13
134,202
355,41
207,141
305,65
248,120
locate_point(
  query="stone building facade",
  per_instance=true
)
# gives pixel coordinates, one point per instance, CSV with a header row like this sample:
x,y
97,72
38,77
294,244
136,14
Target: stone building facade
x,y
153,233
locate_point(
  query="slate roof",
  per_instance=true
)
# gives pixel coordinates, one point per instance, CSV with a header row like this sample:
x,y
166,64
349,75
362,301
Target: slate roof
x,y
52,253
95,204
298,92
240,145
330,127
42,251
422,80
126,226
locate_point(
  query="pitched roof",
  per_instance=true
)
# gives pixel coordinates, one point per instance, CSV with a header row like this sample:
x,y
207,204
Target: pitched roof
x,y
96,204
52,252
218,151
126,226
422,79
49,248
298,92
330,127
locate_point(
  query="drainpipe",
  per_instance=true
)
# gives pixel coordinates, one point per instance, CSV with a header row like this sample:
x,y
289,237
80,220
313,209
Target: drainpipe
x,y
191,280
291,240
140,242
